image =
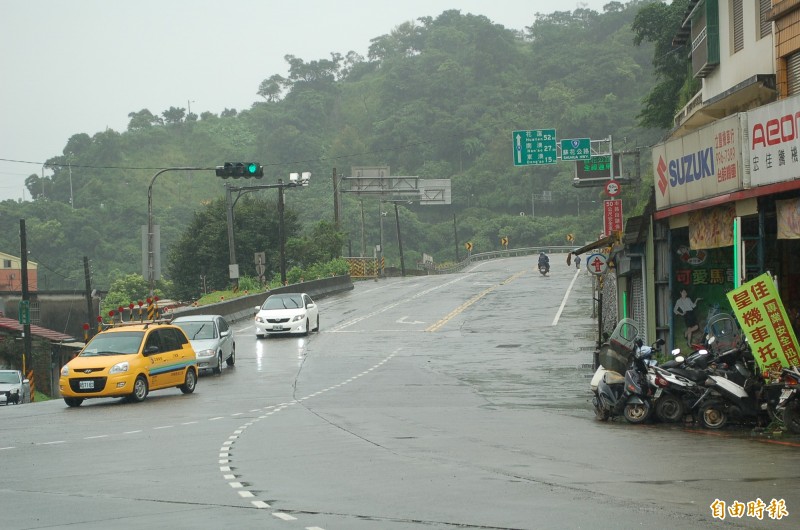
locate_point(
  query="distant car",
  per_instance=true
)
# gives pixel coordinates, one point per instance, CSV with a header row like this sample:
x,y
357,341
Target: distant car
x,y
287,313
212,339
14,388
129,360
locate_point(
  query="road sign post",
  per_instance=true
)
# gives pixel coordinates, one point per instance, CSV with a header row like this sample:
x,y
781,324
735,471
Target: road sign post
x,y
534,147
576,149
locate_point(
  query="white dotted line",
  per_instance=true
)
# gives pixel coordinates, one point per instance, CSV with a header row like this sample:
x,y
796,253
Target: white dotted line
x,y
224,452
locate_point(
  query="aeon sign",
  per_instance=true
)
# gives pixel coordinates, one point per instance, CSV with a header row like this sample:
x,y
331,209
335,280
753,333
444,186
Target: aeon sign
x,y
774,142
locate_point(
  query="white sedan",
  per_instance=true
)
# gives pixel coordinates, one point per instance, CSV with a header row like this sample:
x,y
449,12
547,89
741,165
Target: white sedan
x,y
287,313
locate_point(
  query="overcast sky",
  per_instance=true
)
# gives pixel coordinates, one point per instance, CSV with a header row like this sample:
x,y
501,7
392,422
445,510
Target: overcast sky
x,y
81,66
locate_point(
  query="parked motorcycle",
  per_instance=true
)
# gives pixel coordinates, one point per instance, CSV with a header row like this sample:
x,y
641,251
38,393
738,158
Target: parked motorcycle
x,y
789,400
737,393
675,395
628,395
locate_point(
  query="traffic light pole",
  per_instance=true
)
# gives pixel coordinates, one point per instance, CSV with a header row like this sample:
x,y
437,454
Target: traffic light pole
x,y
151,271
281,185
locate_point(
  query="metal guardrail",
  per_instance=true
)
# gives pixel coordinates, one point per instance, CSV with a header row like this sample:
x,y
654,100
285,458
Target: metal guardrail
x,y
510,253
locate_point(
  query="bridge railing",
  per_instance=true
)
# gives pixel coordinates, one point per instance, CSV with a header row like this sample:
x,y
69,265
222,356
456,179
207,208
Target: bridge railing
x,y
510,253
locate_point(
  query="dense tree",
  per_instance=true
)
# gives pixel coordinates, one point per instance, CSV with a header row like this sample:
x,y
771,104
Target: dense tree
x,y
658,23
202,249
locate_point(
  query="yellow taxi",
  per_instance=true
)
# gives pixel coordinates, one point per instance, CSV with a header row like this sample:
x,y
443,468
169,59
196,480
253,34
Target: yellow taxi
x,y
130,360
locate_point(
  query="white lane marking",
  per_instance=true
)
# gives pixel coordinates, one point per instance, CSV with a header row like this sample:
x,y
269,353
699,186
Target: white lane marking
x,y
566,297
52,443
132,432
9,447
163,427
189,422
96,437
226,469
216,418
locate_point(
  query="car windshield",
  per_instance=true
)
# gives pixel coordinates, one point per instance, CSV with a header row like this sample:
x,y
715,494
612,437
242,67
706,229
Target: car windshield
x,y
118,343
283,302
198,330
9,377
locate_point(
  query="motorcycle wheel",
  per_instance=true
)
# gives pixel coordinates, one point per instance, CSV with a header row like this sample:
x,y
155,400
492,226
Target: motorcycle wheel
x,y
599,412
713,415
669,409
791,418
636,412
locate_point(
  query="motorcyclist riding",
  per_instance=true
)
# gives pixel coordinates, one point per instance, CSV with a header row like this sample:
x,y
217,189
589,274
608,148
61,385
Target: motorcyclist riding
x,y
544,260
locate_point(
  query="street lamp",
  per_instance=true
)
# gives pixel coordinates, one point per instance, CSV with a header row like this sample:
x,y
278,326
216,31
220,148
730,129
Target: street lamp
x,y
151,271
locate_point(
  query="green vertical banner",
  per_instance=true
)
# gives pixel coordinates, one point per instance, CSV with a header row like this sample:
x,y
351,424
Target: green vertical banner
x,y
760,312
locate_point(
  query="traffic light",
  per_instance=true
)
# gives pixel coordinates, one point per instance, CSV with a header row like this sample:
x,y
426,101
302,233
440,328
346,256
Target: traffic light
x,y
240,170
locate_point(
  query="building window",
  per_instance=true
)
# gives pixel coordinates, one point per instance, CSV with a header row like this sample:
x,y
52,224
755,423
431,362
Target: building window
x,y
6,263
764,25
737,23
793,74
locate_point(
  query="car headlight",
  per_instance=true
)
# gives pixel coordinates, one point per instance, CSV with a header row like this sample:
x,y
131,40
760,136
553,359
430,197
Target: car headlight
x,y
119,368
298,318
260,319
65,370
205,353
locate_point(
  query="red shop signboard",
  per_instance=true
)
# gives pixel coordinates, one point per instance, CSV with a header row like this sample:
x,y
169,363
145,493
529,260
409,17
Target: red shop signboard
x,y
612,216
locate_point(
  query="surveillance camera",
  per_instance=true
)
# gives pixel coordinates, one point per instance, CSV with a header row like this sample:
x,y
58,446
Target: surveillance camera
x,y
294,176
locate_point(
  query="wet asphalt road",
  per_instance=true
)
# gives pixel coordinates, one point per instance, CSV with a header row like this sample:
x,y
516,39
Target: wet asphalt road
x,y
456,401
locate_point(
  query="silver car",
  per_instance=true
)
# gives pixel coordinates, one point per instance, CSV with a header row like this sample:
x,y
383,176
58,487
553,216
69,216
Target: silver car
x,y
212,340
14,387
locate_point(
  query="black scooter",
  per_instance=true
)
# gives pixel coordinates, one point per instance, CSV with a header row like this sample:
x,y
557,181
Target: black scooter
x,y
628,395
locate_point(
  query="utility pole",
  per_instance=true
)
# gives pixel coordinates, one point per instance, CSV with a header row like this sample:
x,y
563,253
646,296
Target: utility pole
x,y
26,326
90,316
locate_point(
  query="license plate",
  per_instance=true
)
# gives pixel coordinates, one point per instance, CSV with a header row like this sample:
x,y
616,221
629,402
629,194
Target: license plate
x,y
86,385
277,327
658,393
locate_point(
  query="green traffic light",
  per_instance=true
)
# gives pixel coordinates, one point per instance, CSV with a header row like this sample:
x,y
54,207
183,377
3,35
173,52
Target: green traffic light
x,y
252,168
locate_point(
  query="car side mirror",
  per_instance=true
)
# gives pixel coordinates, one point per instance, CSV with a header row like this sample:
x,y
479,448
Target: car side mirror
x,y
150,350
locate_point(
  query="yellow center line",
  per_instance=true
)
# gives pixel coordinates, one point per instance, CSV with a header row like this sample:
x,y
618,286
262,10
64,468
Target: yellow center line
x,y
471,301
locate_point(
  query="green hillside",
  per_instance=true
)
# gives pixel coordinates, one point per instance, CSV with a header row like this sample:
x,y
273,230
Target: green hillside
x,y
437,99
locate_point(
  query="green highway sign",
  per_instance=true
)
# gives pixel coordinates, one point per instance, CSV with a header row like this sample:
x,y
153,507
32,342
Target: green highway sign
x,y
576,149
534,147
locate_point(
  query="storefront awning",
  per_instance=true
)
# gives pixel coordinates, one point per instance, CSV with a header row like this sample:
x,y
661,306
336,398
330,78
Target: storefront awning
x,y
752,92
603,242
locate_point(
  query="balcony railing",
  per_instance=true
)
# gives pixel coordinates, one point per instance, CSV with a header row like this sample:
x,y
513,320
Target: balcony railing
x,y
695,103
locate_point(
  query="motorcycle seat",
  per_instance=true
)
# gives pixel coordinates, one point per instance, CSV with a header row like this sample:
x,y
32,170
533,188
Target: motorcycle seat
x,y
697,376
613,378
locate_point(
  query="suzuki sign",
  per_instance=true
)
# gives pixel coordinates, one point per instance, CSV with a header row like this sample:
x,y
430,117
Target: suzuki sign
x,y
700,165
